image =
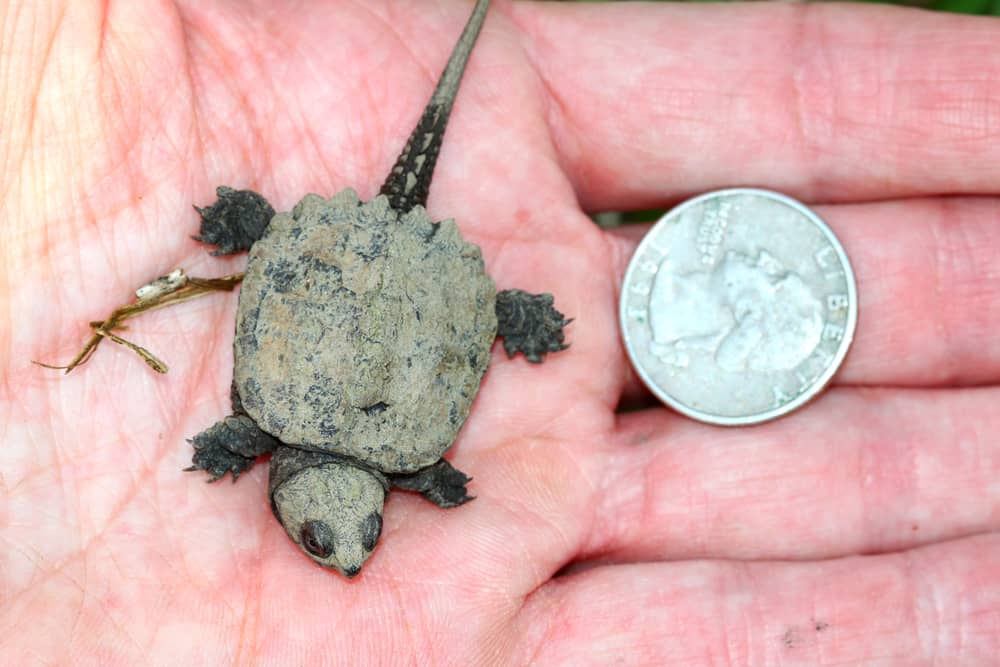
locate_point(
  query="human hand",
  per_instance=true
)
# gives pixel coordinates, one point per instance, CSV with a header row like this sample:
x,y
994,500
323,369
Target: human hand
x,y
860,529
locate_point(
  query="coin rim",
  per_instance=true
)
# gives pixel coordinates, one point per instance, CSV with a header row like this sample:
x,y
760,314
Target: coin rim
x,y
821,382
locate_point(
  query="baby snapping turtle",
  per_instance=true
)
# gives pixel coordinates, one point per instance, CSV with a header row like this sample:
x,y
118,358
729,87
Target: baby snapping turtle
x,y
362,334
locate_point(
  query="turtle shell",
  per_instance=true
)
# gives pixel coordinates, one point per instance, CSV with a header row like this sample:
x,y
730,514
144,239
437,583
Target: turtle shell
x,y
363,332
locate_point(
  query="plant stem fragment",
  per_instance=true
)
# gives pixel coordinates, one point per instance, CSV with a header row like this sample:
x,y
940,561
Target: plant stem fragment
x,y
175,287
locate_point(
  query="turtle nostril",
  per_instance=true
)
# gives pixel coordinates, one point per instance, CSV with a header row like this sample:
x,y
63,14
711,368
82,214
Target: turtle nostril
x,y
351,572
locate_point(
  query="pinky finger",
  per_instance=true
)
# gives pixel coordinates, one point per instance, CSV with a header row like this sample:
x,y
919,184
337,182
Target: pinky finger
x,y
939,604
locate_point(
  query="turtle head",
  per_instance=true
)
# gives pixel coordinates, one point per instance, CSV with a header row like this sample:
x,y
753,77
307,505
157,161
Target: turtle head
x,y
333,511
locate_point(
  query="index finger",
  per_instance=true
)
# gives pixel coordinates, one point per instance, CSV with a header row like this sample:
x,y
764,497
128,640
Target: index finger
x,y
827,103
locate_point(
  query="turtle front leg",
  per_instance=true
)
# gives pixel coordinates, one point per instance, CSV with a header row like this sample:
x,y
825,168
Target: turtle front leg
x,y
529,323
439,483
235,222
230,445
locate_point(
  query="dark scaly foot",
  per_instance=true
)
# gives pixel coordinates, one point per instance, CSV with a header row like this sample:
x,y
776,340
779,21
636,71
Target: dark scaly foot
x,y
439,483
235,221
230,445
530,324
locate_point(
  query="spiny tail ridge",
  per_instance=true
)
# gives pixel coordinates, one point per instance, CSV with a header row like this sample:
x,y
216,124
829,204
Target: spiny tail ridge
x,y
409,180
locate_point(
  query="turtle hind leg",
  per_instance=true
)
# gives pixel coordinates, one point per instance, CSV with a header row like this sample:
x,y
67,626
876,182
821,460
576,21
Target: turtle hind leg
x,y
235,221
529,323
439,483
230,446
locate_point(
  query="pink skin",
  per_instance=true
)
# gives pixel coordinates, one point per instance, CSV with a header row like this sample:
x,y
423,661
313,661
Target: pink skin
x,y
861,530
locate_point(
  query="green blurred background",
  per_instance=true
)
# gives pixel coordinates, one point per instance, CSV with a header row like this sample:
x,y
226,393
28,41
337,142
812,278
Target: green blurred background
x,y
983,7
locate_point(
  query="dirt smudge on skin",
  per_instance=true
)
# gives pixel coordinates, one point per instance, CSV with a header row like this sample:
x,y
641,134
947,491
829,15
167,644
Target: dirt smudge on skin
x,y
793,635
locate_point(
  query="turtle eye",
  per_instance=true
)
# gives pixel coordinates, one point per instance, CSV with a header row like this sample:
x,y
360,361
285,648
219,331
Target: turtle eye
x,y
370,530
317,538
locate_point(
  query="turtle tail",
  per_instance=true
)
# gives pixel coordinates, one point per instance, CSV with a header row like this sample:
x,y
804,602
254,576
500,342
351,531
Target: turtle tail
x,y
409,180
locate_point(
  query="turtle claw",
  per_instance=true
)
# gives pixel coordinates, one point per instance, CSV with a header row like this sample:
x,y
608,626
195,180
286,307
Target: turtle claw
x,y
216,460
439,483
229,446
529,323
235,221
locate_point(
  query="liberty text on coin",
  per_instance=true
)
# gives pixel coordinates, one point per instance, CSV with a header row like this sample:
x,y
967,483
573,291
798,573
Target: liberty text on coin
x,y
738,306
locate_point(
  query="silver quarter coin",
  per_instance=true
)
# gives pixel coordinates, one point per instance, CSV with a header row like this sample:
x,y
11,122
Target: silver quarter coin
x,y
738,306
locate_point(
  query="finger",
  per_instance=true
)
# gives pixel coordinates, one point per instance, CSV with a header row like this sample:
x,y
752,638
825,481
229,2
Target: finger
x,y
623,241
913,608
928,289
834,103
858,471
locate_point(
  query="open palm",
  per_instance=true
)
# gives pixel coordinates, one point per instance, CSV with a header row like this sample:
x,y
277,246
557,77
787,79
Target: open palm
x,y
860,529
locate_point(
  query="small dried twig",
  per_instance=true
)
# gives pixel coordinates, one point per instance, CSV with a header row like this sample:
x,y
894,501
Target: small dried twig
x,y
175,287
